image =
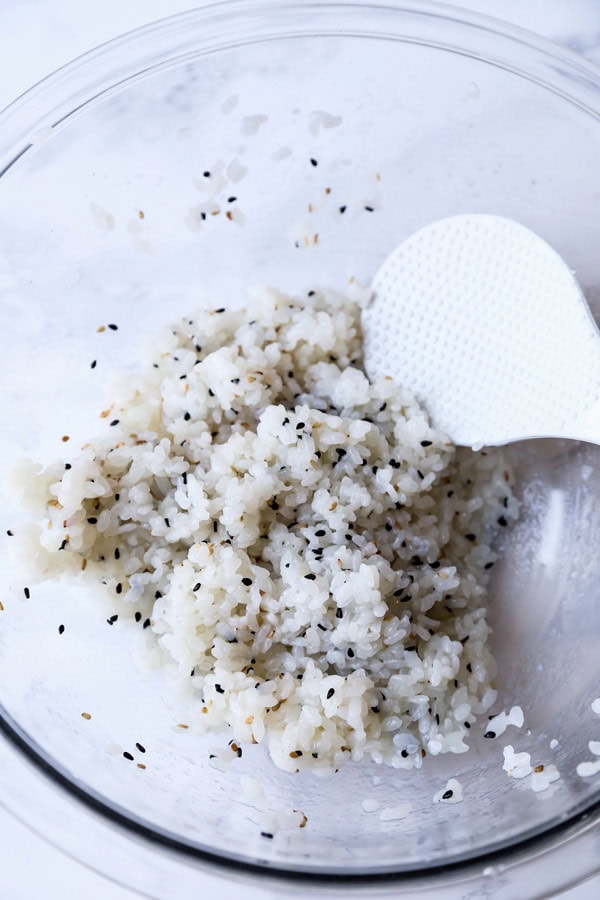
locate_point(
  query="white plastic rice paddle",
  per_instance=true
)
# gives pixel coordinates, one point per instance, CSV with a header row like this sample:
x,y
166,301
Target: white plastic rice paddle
x,y
486,325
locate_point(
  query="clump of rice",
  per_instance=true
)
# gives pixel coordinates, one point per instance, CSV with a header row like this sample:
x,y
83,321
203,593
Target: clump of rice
x,y
309,552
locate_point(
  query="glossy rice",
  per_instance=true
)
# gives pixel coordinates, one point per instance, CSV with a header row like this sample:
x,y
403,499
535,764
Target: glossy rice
x,y
305,549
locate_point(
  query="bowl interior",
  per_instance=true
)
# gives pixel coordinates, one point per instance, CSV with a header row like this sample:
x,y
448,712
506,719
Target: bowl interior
x,y
101,221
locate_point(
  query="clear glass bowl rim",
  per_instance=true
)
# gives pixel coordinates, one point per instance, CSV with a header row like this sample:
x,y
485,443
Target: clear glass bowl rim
x,y
30,120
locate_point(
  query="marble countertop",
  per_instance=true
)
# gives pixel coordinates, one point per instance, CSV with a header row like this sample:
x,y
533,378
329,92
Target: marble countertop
x,y
38,36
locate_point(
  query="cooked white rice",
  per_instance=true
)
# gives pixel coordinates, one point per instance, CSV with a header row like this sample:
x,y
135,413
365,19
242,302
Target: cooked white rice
x,y
307,550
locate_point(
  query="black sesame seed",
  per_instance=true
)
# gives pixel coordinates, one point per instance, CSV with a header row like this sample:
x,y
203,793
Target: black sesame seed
x,y
471,536
157,595
113,327
426,443
219,689
127,755
404,753
375,469
350,652
315,755
27,593
502,521
61,629
64,544
274,505
112,620
310,577
450,494
247,581
186,417
286,421
266,834
210,393
490,734
93,364
206,174
467,724
114,422
322,627
117,497
68,466
220,310
488,565
388,527
420,474
197,586
320,533
147,623
313,162
435,564
341,452
469,667
167,523
437,718
505,502
447,794
330,693
300,425
235,380
231,199
10,533
339,613
369,208
138,616
215,526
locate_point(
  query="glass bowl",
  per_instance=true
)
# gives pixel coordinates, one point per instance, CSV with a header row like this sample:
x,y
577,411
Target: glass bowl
x,y
400,113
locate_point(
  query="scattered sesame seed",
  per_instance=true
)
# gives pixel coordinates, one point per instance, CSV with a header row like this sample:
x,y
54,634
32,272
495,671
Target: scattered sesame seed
x,y
369,208
65,438
138,616
197,586
119,588
61,629
231,199
330,693
147,623
350,652
206,174
426,443
113,327
140,747
502,521
266,834
85,715
490,734
310,577
141,765
27,593
343,209
247,581
187,416
93,364
313,162
127,755
447,794
10,533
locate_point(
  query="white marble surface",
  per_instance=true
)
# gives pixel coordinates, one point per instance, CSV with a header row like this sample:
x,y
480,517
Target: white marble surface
x,y
37,36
